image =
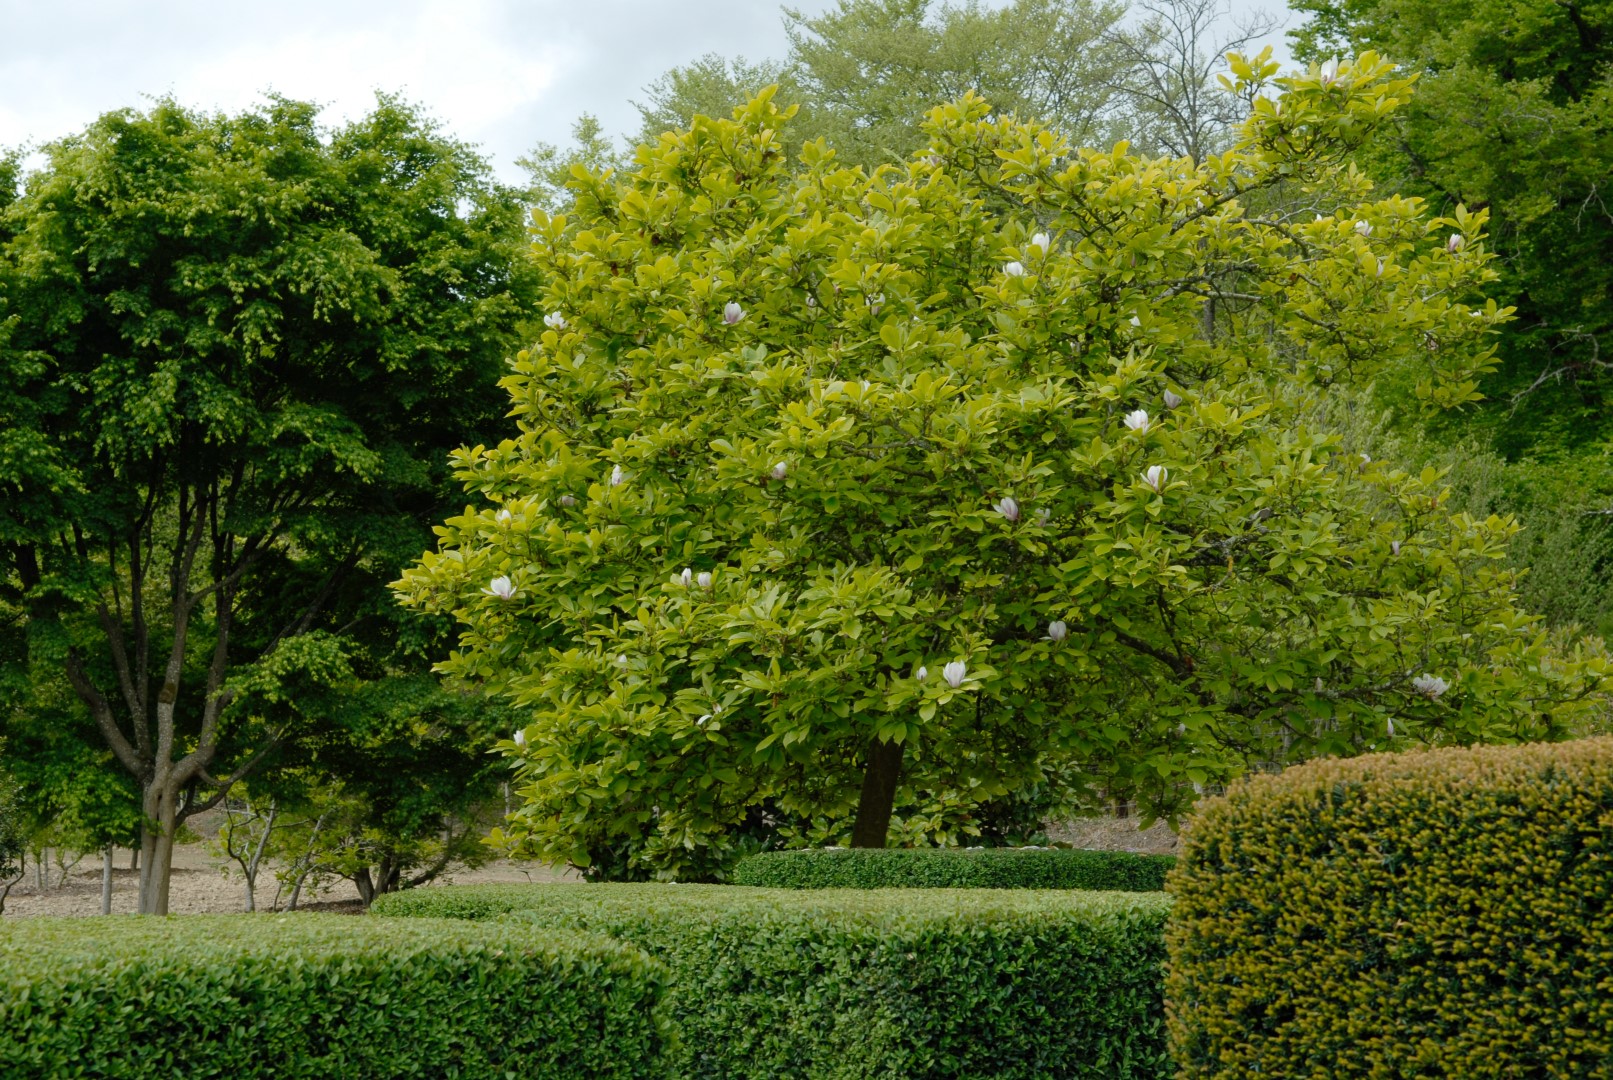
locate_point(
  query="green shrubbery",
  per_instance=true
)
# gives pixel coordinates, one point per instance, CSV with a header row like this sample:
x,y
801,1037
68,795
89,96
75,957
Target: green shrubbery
x,y
323,996
1440,914
769,984
955,868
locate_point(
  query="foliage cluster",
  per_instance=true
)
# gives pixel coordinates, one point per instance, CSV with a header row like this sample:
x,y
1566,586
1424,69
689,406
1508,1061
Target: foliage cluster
x,y
768,984
13,839
836,492
319,996
954,868
1442,914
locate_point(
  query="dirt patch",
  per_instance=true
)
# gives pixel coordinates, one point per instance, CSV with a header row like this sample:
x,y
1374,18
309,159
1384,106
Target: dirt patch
x,y
201,886
1115,834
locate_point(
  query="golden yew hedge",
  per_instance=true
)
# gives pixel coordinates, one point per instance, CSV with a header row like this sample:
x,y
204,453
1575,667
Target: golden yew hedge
x,y
1443,913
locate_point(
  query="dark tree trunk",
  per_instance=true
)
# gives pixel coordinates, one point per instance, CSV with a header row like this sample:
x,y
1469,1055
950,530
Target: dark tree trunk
x,y
878,795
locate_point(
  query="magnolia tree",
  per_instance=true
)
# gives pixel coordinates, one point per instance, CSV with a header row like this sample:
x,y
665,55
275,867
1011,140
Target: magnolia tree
x,y
865,499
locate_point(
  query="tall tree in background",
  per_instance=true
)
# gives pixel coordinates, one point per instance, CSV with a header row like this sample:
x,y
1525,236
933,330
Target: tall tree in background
x,y
236,350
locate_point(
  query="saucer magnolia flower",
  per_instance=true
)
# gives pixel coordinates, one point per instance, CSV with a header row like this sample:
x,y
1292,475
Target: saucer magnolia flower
x,y
520,737
1135,321
568,500
1430,686
684,578
1008,508
1057,631
1455,243
875,302
922,673
1156,477
617,476
500,587
1330,71
954,673
1014,269
703,579
555,321
732,313
502,515
1043,516
781,470
1172,400
1394,547
1041,243
1137,420
1363,228
1391,723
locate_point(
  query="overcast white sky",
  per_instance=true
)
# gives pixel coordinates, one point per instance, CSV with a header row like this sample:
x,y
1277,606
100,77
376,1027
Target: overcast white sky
x,y
500,73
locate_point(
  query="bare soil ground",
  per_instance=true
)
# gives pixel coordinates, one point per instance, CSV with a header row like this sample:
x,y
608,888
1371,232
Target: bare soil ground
x,y
1116,834
200,886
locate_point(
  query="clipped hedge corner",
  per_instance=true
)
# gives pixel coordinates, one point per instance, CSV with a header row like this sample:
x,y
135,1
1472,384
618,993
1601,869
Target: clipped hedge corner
x,y
955,868
312,996
771,984
1433,914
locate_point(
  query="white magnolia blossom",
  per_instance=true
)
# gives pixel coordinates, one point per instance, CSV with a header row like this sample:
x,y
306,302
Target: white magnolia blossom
x,y
500,587
922,673
875,302
1380,267
1137,420
1008,508
1172,399
1430,686
1042,243
732,312
1014,269
503,515
568,501
1330,71
1135,321
781,470
1394,547
1366,459
1364,228
617,476
684,578
1043,516
1057,631
1156,477
703,579
520,737
954,673
1456,243
555,321
812,301
1390,722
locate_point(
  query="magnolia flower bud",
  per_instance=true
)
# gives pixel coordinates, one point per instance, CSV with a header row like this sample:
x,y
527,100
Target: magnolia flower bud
x,y
1014,269
568,501
1156,477
617,476
500,587
1394,547
1008,508
502,515
686,577
701,722
1172,400
1430,686
1366,459
732,312
780,470
1363,228
1455,243
703,579
555,321
1380,268
621,659
1330,71
1043,516
922,673
1057,631
520,737
812,301
1041,243
1137,420
1135,321
954,673
1390,722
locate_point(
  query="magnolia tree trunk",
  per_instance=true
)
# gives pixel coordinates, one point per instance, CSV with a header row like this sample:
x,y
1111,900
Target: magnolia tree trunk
x,y
106,881
878,797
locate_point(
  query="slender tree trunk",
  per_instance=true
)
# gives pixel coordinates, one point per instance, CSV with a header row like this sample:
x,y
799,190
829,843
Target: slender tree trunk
x,y
157,845
106,881
134,858
878,797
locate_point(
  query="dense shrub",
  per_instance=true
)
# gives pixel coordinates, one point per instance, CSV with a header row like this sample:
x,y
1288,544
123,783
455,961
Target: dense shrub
x,y
323,996
1434,914
899,984
955,868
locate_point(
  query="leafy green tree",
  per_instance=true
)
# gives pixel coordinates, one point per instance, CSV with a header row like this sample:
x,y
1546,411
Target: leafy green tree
x,y
550,167
13,838
236,349
1511,114
880,496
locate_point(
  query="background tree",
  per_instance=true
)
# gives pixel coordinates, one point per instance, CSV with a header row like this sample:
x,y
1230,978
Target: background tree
x,y
874,497
237,349
12,838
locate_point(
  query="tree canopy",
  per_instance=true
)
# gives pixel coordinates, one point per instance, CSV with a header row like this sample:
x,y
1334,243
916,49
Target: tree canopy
x,y
860,499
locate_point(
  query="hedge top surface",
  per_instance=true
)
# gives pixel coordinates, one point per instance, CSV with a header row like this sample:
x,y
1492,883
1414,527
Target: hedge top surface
x,y
978,868
713,902
1444,913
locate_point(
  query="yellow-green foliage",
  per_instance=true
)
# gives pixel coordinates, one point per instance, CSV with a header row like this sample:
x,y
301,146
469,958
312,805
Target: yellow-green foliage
x,y
1437,914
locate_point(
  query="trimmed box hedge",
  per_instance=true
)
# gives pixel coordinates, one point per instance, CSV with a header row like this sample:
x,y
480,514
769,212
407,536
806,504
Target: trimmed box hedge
x,y
1432,914
311,996
895,983
955,868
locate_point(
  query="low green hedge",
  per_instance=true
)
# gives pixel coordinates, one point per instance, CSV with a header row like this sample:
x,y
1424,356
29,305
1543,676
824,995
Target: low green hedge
x,y
899,984
323,996
1435,914
955,868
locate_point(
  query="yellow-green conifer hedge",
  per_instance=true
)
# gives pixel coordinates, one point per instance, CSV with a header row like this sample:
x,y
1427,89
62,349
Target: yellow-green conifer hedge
x,y
1445,913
